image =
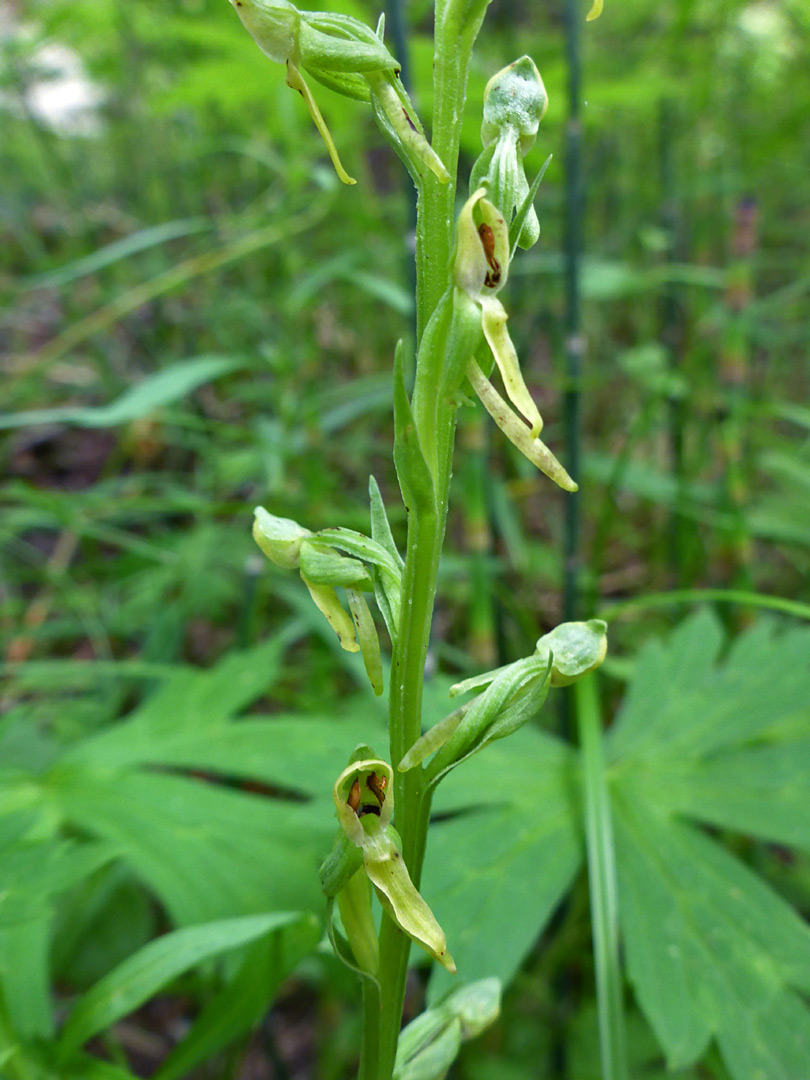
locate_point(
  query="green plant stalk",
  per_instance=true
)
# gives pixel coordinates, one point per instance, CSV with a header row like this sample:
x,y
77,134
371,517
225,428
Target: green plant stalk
x,y
602,884
456,26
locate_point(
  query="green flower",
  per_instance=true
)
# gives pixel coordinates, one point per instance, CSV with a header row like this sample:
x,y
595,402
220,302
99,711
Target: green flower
x,y
364,800
347,56
481,269
322,569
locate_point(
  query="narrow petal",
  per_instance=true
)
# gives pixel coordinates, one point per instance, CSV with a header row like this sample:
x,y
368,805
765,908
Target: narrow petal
x,y
516,431
296,80
493,322
326,600
367,639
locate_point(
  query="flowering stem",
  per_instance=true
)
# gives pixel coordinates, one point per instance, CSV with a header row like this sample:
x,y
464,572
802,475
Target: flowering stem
x,y
457,24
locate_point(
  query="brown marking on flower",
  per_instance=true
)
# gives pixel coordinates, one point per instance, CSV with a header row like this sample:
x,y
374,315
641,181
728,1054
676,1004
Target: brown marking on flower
x,y
488,244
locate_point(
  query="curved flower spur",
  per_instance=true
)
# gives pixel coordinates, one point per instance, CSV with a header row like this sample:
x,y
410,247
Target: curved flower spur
x,y
347,56
369,846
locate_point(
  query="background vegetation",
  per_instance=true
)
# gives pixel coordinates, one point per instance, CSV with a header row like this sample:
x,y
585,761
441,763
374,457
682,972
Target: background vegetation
x,y
197,318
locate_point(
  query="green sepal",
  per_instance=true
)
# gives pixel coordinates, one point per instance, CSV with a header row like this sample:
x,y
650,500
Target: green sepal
x,y
342,862
386,569
576,648
361,547
415,480
324,566
464,336
327,602
386,869
339,43
341,946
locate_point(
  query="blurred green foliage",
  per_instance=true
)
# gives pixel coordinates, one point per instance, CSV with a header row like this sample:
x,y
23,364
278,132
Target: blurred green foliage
x,y
197,318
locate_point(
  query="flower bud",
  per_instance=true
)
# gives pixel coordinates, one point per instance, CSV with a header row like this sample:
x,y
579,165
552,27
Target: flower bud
x,y
428,1046
576,648
515,102
273,24
514,99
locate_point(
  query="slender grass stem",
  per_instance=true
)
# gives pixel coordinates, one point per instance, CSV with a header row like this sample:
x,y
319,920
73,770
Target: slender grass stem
x,y
574,343
699,596
602,882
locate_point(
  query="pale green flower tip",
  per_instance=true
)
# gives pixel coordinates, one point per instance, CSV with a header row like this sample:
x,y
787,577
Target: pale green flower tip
x,y
279,538
477,1006
515,97
595,11
273,24
577,648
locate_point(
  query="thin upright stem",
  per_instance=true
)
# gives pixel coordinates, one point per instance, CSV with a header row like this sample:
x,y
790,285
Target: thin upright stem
x,y
602,883
456,25
574,342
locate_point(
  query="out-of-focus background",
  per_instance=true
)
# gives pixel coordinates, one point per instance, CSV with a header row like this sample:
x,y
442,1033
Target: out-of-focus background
x,y
197,317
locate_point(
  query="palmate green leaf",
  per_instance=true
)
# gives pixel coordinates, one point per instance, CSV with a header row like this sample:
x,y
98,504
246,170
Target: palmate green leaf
x,y
712,950
190,839
158,963
207,851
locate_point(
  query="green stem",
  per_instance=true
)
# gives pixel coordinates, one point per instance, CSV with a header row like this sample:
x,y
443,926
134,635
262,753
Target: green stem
x,y
602,882
456,26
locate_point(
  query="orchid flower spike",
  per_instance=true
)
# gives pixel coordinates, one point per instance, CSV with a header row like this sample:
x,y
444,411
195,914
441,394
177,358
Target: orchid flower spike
x,y
347,56
480,271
